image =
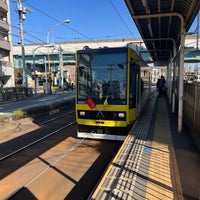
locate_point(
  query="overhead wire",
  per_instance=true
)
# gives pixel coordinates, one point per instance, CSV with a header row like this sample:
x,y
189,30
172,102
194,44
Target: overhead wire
x,y
121,18
25,32
72,29
15,35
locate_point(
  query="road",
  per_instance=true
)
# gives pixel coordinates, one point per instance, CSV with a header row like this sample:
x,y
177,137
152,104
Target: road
x,y
10,107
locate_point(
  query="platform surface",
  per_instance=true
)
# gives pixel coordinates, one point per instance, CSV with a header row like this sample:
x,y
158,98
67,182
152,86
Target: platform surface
x,y
149,164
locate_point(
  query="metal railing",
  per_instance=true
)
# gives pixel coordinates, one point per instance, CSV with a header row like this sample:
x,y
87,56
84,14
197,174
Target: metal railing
x,y
15,93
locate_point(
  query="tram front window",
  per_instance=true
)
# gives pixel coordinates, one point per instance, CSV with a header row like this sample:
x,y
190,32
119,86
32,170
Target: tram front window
x,y
102,76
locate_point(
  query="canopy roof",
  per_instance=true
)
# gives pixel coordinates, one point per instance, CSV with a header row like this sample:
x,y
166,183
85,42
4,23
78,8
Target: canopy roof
x,y
161,22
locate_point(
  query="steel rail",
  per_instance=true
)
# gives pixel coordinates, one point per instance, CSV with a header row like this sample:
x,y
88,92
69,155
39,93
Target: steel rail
x,y
36,141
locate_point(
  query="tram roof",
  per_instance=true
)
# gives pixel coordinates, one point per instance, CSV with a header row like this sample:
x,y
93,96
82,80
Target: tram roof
x,y
159,24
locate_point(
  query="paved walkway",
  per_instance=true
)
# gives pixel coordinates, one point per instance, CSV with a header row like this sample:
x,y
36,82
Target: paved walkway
x,y
10,107
150,163
163,177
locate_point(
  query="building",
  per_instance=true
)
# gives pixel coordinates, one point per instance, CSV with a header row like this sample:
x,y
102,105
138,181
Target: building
x,y
6,56
45,62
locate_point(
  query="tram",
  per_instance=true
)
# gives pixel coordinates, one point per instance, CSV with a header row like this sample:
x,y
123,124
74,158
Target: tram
x,y
110,91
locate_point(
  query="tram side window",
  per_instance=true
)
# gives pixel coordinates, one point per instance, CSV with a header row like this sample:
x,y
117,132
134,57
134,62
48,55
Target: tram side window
x,y
132,97
84,77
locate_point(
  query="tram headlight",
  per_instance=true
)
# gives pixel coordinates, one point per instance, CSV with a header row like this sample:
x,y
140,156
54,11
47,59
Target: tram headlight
x,y
82,113
121,115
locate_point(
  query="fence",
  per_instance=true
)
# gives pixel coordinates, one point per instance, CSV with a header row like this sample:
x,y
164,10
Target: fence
x,y
15,93
191,110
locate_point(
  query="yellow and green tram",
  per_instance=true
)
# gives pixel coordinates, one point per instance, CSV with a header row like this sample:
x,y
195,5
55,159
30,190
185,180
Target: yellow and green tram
x,y
109,91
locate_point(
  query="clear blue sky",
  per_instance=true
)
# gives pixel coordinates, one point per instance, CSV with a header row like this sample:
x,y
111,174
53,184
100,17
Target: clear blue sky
x,y
89,20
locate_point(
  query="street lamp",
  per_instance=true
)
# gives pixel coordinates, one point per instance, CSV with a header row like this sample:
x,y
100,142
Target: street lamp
x,y
50,30
48,35
33,53
61,65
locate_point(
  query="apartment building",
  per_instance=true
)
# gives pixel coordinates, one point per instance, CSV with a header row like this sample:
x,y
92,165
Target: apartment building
x,y
6,56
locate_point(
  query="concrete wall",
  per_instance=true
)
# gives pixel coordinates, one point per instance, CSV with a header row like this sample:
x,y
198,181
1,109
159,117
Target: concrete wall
x,y
191,108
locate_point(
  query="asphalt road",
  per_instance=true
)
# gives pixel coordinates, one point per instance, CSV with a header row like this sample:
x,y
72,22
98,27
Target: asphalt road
x,y
10,107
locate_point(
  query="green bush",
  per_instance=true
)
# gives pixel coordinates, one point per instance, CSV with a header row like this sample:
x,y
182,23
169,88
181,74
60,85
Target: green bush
x,y
18,114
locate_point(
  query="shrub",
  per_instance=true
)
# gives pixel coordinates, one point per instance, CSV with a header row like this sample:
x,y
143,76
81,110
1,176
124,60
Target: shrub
x,y
18,114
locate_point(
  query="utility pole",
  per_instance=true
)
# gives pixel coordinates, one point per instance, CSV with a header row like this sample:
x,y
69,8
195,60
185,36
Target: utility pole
x,y
21,18
198,30
61,66
22,11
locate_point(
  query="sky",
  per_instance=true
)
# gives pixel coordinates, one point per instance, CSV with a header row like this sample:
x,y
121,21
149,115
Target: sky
x,y
89,20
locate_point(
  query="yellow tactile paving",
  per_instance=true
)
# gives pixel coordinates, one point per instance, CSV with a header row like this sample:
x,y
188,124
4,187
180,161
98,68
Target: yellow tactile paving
x,y
163,178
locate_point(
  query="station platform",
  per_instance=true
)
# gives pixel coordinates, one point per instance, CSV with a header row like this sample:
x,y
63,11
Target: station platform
x,y
154,162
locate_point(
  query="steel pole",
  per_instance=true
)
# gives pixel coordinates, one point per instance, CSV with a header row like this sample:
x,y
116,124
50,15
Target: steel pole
x,y
21,15
34,72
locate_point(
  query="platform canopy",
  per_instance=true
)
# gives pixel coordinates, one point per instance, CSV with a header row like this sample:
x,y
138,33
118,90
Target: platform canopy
x,y
161,23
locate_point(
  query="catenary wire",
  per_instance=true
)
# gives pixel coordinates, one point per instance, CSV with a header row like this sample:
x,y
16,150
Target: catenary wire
x,y
72,29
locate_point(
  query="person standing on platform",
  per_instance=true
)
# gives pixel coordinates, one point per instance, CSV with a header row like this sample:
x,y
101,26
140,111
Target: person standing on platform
x,y
161,86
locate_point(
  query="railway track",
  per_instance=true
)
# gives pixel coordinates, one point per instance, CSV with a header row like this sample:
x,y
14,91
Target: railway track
x,y
36,141
45,130
55,165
